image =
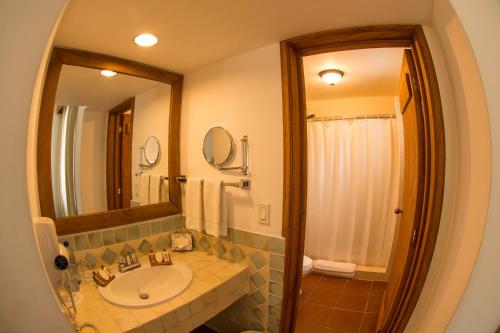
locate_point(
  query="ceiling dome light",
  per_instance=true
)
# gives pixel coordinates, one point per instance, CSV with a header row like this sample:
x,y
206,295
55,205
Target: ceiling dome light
x,y
331,76
146,40
107,73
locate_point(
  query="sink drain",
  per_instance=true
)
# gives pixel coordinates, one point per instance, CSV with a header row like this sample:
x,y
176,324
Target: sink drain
x,y
143,296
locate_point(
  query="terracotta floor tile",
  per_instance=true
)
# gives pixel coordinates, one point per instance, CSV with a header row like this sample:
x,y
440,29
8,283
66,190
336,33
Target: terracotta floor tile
x,y
313,314
378,287
332,282
374,303
358,286
308,328
323,296
352,301
345,321
369,323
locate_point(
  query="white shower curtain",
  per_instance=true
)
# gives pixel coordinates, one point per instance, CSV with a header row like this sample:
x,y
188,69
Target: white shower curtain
x,y
353,185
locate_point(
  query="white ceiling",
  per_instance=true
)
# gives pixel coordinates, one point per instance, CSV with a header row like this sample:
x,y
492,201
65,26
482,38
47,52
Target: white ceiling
x,y
194,33
368,72
87,87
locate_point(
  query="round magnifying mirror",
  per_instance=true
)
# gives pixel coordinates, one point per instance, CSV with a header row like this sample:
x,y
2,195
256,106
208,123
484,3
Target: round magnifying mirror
x,y
217,146
151,150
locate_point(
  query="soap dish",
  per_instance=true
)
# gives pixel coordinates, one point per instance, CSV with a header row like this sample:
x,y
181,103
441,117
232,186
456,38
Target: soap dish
x,y
160,258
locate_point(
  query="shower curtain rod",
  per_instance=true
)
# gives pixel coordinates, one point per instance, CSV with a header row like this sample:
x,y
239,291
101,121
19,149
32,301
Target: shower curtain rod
x,y
375,116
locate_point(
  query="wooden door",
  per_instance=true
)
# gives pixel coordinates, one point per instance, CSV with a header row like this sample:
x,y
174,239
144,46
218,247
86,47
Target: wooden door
x,y
126,161
413,192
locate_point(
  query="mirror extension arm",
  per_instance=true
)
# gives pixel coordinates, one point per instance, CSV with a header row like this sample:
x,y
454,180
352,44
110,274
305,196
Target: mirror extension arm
x,y
244,156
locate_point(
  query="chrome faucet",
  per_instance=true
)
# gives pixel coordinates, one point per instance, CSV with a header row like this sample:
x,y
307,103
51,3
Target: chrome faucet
x,y
128,262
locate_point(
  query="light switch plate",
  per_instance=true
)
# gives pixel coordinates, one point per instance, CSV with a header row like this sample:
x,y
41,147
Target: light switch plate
x,y
263,212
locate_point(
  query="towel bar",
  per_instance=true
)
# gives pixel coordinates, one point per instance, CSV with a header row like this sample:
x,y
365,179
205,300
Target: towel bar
x,y
243,183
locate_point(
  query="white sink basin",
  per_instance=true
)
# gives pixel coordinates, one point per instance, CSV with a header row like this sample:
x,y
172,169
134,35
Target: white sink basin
x,y
146,286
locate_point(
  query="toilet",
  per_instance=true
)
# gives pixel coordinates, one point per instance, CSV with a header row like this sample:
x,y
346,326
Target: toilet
x,y
307,265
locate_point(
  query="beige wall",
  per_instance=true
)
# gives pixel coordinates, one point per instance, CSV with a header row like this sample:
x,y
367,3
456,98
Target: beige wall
x,y
27,303
151,115
243,95
479,308
467,176
93,162
356,106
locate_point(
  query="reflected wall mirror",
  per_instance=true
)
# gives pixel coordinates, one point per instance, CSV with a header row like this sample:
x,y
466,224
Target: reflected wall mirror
x,y
100,139
152,150
218,146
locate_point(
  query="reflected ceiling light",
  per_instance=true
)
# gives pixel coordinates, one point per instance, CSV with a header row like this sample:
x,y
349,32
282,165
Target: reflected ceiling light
x,y
107,73
146,40
331,76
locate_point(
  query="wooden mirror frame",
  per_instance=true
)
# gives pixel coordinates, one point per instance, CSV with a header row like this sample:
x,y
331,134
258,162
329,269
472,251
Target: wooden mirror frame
x,y
93,221
295,155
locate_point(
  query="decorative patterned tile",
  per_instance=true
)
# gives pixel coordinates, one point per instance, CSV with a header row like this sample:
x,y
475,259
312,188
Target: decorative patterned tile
x,y
256,326
257,280
276,288
162,243
277,245
126,250
274,321
82,242
203,244
144,230
273,329
109,256
156,227
275,275
277,261
258,260
237,254
133,232
220,248
238,236
145,246
95,240
120,235
90,260
258,314
274,311
108,237
261,242
257,297
275,300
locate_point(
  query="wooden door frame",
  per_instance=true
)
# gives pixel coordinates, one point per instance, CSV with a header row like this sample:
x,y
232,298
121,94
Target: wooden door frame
x,y
295,155
111,176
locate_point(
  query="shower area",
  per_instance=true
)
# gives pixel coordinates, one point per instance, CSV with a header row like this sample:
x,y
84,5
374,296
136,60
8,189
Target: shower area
x,y
353,188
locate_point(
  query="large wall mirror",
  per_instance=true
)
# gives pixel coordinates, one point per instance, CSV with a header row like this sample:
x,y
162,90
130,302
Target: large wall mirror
x,y
108,141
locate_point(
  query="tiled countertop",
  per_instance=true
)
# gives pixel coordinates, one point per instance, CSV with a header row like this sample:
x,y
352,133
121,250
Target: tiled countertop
x,y
216,284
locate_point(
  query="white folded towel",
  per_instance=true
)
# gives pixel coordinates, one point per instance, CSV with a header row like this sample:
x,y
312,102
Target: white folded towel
x,y
164,196
215,208
144,189
154,189
334,266
193,204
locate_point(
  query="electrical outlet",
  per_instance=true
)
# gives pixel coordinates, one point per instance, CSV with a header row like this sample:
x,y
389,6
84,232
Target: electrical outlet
x,y
263,213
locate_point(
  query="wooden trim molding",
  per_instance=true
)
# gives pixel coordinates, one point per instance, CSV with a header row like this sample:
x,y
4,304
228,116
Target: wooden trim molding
x,y
88,222
295,152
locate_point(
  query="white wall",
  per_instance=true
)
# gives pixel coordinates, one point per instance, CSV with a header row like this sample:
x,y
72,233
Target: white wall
x,y
243,95
355,106
93,162
27,303
151,116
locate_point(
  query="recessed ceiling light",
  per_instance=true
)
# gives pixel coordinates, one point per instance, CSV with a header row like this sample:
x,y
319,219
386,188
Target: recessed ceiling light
x,y
331,76
146,40
107,73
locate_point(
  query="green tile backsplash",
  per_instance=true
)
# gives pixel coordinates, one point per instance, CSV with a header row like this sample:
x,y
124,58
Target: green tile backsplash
x,y
264,254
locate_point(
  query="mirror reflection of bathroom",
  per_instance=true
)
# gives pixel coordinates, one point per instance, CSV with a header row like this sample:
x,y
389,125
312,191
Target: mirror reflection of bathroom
x,y
101,132
354,143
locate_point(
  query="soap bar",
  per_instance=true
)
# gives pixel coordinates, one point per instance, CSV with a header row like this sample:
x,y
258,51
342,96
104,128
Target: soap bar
x,y
158,256
104,274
